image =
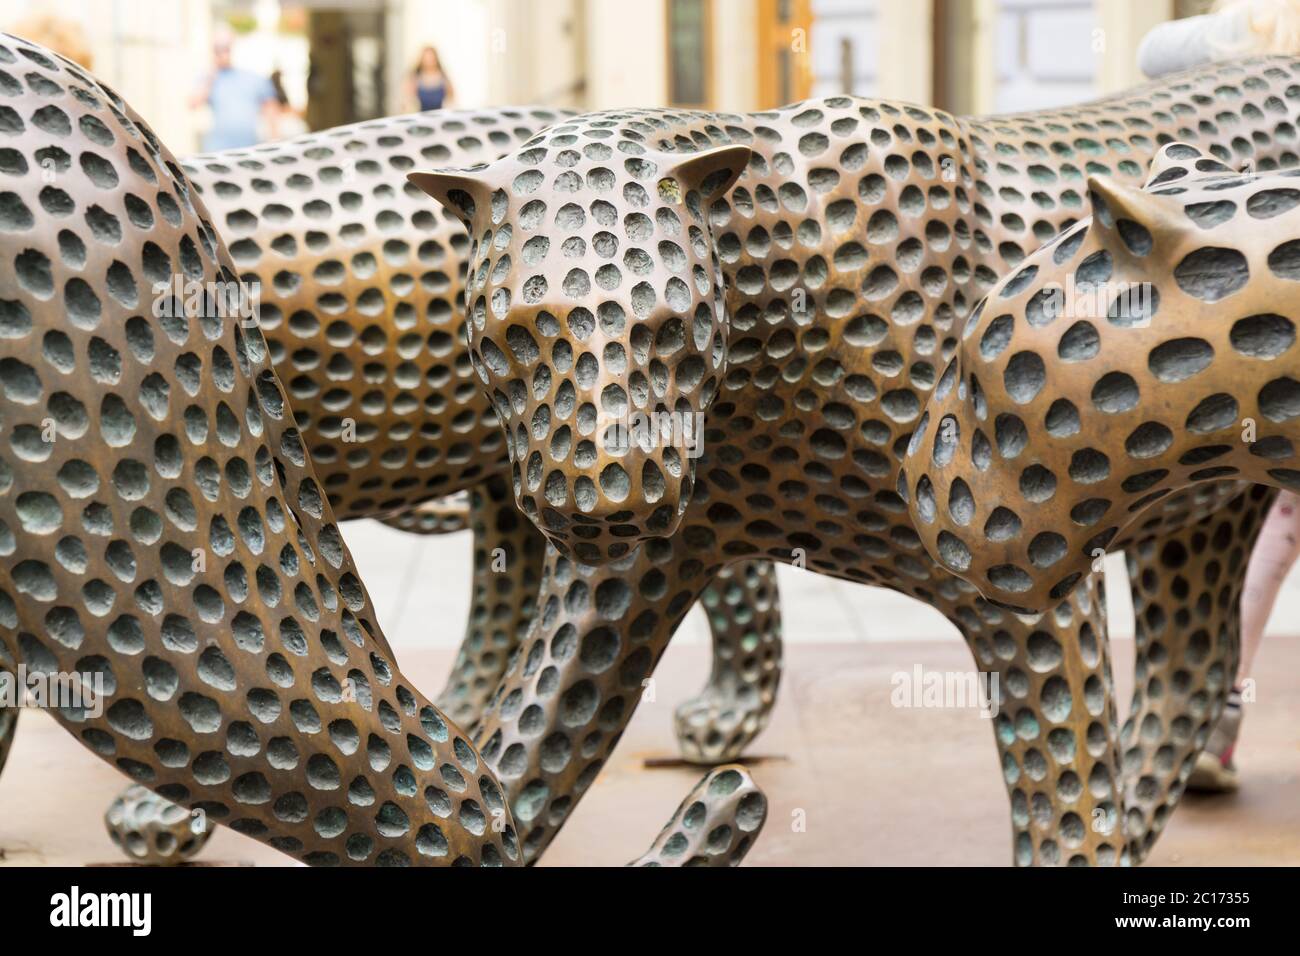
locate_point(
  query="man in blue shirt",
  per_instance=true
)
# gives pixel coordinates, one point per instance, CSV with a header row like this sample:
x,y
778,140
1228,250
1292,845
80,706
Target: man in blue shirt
x,y
239,99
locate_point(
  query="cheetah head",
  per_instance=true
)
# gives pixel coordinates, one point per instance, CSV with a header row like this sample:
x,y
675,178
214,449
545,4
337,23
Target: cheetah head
x,y
1146,349
596,325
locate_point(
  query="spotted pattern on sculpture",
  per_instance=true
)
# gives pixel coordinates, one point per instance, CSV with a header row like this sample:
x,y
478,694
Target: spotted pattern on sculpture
x,y
1193,386
741,607
435,516
165,529
361,299
1186,593
722,720
507,572
362,303
162,528
154,831
800,278
714,826
1059,421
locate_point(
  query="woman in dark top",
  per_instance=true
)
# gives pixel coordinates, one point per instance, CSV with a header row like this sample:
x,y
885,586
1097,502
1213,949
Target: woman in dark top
x,y
429,88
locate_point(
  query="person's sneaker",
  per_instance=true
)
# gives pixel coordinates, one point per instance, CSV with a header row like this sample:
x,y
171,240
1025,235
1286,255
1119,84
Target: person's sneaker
x,y
1215,771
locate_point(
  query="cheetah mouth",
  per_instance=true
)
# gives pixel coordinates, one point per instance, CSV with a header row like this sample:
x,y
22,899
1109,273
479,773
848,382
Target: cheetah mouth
x,y
605,513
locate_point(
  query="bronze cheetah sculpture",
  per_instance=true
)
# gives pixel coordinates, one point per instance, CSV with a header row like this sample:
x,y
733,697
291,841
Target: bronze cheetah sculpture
x,y
1197,386
800,277
1122,407
164,534
362,305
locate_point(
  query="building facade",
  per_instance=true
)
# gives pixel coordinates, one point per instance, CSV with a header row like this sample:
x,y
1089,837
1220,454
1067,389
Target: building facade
x,y
345,60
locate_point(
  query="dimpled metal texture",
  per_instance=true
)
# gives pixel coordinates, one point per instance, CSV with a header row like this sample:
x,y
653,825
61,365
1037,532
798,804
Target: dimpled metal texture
x,y
507,572
741,606
1056,429
807,308
362,303
745,621
162,528
435,516
361,297
1196,386
714,826
153,831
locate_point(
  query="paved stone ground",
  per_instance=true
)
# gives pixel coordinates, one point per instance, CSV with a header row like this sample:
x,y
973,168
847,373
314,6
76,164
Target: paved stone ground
x,y
852,779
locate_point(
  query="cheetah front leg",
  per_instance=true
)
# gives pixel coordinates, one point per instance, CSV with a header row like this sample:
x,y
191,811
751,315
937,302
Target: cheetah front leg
x,y
1055,725
741,605
572,686
743,609
715,825
1186,588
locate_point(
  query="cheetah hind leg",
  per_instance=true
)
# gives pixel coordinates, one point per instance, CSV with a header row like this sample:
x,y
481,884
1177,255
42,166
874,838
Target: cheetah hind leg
x,y
508,557
1186,588
743,609
1054,721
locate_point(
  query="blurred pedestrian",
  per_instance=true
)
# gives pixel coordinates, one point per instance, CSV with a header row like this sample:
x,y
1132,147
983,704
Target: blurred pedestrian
x,y
429,88
1275,552
240,101
288,122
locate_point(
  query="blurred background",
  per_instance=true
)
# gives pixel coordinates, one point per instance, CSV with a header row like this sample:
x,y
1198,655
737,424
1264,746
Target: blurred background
x,y
340,61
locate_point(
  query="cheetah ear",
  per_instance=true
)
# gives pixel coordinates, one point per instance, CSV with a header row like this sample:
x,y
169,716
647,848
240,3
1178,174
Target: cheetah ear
x,y
1180,162
1113,203
711,172
464,192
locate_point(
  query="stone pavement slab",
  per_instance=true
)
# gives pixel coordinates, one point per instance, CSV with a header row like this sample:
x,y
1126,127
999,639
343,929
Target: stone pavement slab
x,y
851,779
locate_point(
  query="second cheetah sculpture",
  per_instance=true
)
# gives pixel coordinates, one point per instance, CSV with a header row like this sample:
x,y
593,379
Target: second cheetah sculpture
x,y
796,281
